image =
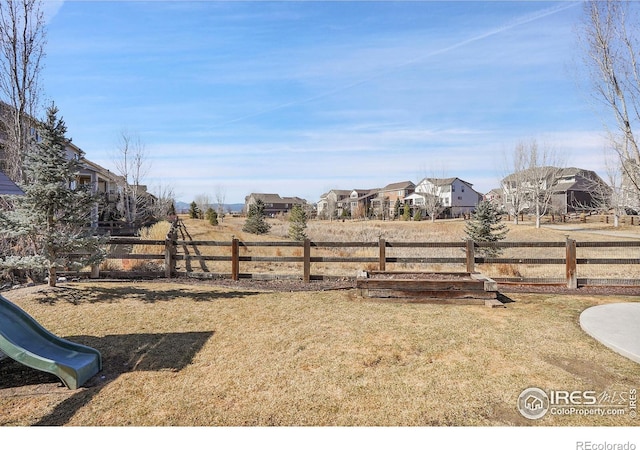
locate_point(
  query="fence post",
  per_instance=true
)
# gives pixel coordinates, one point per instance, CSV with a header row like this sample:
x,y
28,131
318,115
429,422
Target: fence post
x,y
382,263
572,276
471,256
306,270
235,259
169,252
95,271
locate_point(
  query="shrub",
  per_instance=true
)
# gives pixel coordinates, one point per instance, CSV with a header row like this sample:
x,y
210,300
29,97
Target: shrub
x,y
297,223
486,225
212,216
256,223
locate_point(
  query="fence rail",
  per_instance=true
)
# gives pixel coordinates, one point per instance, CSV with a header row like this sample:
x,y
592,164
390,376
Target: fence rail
x,y
574,257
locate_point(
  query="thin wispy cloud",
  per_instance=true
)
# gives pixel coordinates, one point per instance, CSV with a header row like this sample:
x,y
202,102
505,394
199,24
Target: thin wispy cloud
x,y
299,97
388,71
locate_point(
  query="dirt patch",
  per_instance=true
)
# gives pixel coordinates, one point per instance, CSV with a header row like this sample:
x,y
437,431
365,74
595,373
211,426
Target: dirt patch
x,y
588,371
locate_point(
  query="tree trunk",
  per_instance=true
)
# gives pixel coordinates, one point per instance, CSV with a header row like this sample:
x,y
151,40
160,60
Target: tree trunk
x,y
52,276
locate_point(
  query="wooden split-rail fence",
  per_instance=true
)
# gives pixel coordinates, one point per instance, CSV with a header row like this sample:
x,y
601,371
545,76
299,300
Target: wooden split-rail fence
x,y
178,255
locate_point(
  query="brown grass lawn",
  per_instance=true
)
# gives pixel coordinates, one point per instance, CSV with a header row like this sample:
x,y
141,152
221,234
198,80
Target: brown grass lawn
x,y
203,355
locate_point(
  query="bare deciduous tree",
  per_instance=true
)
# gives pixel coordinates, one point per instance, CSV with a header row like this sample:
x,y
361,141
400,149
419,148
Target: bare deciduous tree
x,y
221,194
609,40
131,164
513,182
203,201
531,185
615,197
431,190
164,202
22,49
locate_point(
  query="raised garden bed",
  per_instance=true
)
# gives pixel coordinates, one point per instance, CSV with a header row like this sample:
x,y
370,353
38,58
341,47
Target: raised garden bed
x,y
460,288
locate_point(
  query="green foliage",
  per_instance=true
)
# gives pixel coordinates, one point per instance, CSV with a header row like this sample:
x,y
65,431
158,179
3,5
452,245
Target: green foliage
x,y
486,225
297,223
211,216
171,210
53,218
396,209
256,221
194,211
406,213
417,215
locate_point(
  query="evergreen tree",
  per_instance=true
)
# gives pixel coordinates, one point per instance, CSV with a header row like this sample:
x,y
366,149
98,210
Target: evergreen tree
x,y
171,210
297,223
54,215
486,225
396,209
212,216
256,222
406,213
194,211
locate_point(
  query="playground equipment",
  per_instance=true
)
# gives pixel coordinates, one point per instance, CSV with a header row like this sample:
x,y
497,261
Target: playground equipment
x,y
24,340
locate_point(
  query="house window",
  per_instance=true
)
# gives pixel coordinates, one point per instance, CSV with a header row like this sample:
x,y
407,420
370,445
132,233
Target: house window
x,y
462,188
453,188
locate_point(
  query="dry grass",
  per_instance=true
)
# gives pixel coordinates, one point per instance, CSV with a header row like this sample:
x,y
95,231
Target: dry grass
x,y
195,355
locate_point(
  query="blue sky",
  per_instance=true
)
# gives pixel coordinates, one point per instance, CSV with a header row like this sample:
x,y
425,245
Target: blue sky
x,y
300,97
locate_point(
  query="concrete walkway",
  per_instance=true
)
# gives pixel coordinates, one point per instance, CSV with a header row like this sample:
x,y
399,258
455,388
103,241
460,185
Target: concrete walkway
x,y
613,233
616,325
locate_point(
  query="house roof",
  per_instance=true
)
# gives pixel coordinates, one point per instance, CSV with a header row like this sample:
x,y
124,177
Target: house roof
x,y
557,172
275,198
8,187
445,181
571,178
399,185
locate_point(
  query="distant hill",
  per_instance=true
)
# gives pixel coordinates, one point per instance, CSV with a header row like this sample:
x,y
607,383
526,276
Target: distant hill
x,y
183,207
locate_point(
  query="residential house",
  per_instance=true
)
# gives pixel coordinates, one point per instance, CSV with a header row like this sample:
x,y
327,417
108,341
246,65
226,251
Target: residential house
x,y
456,196
273,203
383,203
357,205
495,196
571,189
108,185
579,190
328,203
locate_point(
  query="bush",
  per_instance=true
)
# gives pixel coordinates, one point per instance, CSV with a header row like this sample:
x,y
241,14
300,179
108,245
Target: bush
x,y
297,223
194,211
256,223
486,226
212,216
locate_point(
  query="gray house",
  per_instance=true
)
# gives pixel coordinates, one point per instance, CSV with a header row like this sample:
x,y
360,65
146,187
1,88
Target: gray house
x,y
273,203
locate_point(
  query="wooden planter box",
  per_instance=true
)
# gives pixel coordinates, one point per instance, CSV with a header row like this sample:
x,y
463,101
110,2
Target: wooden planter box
x,y
460,288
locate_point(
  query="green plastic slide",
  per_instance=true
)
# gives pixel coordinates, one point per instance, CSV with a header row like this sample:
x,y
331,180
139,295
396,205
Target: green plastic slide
x,y
24,340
